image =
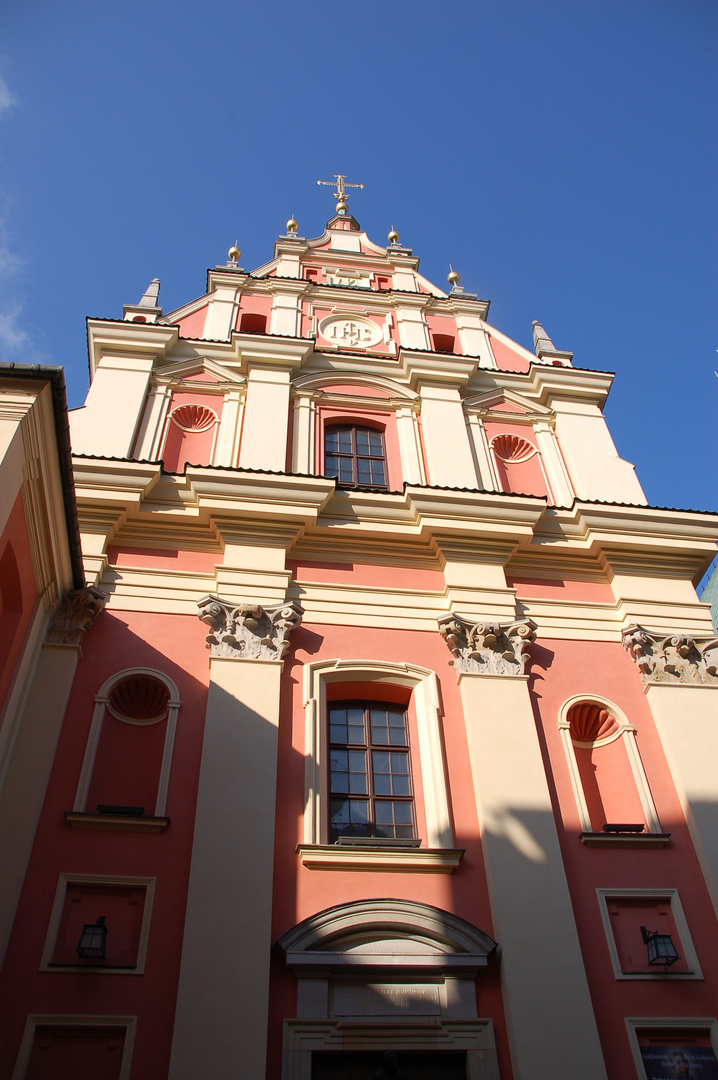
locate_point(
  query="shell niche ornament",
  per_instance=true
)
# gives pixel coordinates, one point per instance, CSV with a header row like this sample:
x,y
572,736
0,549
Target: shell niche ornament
x,y
234,253
194,417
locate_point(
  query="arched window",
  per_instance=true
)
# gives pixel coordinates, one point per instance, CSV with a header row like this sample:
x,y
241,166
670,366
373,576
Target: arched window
x,y
610,785
127,762
355,455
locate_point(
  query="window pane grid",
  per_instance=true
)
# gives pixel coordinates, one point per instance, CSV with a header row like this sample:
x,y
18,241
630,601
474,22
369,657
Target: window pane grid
x,y
355,456
370,772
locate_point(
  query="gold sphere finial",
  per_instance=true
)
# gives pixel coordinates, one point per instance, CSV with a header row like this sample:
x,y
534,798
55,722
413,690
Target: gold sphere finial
x,y
453,278
342,205
393,236
292,225
234,253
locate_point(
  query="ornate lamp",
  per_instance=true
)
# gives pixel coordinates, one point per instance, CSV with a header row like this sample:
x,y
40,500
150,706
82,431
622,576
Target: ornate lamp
x,y
661,950
93,941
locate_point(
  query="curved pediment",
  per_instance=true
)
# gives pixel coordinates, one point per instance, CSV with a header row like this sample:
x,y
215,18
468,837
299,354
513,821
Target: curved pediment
x,y
382,933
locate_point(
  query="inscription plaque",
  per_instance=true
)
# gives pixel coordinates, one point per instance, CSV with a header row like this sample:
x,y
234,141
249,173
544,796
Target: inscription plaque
x,y
383,999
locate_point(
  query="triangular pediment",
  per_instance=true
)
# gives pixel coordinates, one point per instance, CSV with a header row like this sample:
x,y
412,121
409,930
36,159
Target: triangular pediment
x,y
507,405
198,370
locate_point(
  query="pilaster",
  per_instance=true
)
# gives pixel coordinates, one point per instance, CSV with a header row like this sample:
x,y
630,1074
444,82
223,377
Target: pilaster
x,y
446,438
266,419
222,1001
532,913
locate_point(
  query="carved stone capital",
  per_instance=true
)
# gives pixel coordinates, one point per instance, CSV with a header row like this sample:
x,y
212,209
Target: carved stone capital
x,y
678,658
248,631
488,648
74,617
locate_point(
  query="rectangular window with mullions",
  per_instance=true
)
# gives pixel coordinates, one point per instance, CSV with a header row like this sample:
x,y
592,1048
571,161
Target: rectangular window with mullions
x,y
370,772
355,455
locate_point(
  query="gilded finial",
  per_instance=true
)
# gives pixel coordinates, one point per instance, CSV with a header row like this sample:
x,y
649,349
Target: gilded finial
x,y
453,278
292,225
234,253
393,236
340,194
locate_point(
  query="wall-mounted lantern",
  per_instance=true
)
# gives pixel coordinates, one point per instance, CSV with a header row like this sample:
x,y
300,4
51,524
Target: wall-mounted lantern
x,y
93,940
661,950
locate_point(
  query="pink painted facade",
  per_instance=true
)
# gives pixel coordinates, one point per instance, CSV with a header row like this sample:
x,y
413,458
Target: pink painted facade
x,y
427,787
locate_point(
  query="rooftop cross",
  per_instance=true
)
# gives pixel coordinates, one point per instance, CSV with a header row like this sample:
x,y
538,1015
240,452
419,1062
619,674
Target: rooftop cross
x,y
340,194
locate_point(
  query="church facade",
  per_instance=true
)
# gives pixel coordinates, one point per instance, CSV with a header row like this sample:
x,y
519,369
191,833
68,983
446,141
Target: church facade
x,y
359,716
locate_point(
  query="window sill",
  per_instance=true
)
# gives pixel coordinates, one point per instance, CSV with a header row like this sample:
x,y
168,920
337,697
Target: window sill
x,y
115,822
624,840
345,857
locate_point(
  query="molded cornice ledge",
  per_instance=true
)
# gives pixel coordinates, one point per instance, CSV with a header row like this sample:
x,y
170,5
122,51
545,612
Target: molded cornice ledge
x,y
678,659
448,370
486,648
127,338
113,480
481,515
239,495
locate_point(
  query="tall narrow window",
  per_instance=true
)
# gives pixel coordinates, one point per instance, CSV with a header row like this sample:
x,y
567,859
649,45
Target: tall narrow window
x,y
370,772
355,455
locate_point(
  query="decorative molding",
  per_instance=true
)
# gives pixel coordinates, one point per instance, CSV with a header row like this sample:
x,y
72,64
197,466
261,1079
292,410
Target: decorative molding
x,y
248,631
340,857
80,819
76,614
488,648
677,659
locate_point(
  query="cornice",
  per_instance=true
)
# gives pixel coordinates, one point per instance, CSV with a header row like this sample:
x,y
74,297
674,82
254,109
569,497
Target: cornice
x,y
236,493
121,336
421,366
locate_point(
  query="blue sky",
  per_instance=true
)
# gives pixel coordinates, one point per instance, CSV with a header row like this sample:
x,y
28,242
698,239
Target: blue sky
x,y
561,154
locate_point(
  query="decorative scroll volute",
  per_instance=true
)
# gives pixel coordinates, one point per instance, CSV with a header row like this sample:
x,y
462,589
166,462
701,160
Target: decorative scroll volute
x,y
75,615
488,648
678,658
248,631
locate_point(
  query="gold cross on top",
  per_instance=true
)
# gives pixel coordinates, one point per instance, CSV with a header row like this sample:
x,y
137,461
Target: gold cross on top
x,y
340,193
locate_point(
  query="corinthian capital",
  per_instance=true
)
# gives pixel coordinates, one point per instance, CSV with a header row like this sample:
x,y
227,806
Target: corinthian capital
x,y
75,615
488,648
248,631
678,658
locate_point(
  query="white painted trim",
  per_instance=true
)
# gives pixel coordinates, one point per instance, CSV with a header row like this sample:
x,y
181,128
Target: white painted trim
x,y
424,685
476,1037
634,1024
56,917
605,896
627,732
36,1020
93,740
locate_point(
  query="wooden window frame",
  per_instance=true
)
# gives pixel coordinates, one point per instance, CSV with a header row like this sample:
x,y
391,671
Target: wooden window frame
x,y
355,457
369,748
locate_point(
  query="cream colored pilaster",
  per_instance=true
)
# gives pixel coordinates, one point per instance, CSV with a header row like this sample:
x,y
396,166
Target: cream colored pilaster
x,y
687,721
149,440
254,565
286,316
542,973
36,729
107,426
488,480
446,439
229,428
474,339
410,322
303,432
221,313
222,1003
409,447
266,418
596,470
475,578
554,467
